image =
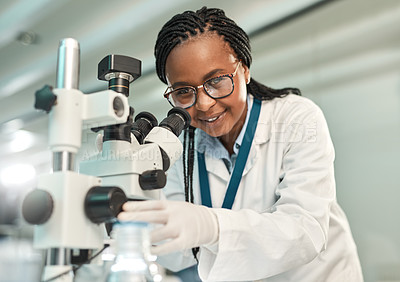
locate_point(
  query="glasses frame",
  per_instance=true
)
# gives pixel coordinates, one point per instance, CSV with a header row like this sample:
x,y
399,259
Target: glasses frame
x,y
195,88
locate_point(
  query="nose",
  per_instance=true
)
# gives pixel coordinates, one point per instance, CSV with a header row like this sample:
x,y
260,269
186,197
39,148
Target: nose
x,y
204,102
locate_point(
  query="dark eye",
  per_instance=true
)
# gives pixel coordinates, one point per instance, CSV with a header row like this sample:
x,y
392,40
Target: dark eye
x,y
215,81
183,91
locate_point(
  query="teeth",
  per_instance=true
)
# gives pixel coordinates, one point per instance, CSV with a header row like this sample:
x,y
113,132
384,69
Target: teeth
x,y
212,119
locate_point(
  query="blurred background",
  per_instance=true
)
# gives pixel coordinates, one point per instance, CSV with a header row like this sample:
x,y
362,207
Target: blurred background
x,y
343,54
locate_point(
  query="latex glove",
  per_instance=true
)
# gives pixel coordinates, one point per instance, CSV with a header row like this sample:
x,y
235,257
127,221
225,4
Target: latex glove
x,y
184,225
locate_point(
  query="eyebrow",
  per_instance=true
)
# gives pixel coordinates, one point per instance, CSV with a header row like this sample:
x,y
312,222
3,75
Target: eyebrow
x,y
205,77
211,74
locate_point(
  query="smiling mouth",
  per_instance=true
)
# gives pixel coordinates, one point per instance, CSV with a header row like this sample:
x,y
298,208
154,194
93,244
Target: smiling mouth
x,y
211,120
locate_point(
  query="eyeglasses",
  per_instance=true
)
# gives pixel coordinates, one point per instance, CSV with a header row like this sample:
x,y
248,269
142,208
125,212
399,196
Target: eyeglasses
x,y
216,87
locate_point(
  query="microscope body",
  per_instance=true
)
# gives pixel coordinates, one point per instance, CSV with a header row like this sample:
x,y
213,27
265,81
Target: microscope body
x,y
69,208
57,207
66,225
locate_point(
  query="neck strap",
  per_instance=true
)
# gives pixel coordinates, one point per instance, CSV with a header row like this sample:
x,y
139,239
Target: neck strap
x,y
239,165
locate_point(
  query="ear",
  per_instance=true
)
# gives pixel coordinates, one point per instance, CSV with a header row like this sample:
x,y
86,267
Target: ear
x,y
246,73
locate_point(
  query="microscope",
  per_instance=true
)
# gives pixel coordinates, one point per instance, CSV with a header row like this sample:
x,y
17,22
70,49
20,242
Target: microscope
x,y
70,209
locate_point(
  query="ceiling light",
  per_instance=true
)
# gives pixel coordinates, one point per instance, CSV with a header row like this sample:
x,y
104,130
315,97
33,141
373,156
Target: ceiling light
x,y
17,175
21,141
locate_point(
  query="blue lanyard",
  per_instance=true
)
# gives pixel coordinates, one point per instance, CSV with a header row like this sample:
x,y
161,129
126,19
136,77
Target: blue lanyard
x,y
239,166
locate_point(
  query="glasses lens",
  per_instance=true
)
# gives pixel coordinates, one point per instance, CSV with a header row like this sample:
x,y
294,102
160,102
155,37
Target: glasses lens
x,y
183,97
219,86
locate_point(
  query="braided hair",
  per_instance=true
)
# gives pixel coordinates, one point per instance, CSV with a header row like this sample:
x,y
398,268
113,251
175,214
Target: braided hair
x,y
189,24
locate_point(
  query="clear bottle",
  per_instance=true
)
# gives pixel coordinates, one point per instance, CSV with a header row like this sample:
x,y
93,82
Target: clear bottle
x,y
133,261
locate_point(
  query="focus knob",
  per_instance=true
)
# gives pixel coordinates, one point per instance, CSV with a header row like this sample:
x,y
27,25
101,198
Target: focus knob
x,y
45,99
152,179
37,207
103,203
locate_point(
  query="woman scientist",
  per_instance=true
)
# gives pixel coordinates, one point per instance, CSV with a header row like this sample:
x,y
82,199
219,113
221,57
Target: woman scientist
x,y
255,192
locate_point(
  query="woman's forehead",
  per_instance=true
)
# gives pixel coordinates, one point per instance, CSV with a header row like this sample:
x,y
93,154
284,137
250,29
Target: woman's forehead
x,y
207,48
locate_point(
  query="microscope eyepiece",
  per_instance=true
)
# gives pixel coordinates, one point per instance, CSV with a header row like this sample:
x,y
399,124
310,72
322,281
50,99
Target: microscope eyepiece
x,y
177,120
144,122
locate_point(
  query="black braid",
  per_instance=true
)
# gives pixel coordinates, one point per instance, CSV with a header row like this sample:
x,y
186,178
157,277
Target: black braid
x,y
185,172
189,24
188,158
189,188
188,150
191,161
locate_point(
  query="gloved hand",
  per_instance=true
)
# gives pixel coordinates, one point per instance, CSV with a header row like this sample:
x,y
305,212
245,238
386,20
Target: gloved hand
x,y
185,225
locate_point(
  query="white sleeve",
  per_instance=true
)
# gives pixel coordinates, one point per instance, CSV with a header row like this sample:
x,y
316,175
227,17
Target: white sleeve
x,y
294,230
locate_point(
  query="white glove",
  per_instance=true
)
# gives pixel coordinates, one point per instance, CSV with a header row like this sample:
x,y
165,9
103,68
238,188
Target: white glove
x,y
185,225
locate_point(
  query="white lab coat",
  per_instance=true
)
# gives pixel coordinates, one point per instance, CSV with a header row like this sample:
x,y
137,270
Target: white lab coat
x,y
285,223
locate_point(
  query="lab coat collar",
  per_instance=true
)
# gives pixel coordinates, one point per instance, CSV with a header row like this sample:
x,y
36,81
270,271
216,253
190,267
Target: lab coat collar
x,y
239,139
263,132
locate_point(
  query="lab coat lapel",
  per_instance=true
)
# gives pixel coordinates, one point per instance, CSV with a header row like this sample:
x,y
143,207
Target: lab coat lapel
x,y
217,168
262,135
